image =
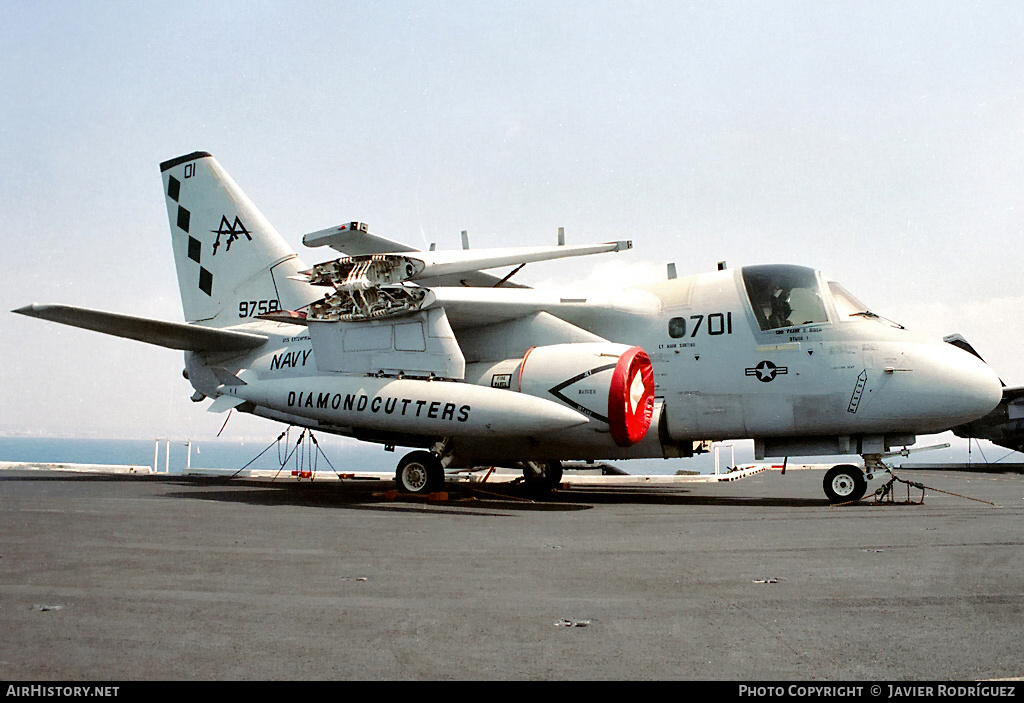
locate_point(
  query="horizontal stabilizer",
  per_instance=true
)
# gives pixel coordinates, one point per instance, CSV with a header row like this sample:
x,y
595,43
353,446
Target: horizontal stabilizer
x,y
173,335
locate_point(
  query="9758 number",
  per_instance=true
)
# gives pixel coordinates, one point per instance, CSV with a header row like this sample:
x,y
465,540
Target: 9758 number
x,y
252,308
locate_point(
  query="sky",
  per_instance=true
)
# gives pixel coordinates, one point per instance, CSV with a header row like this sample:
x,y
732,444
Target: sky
x,y
882,142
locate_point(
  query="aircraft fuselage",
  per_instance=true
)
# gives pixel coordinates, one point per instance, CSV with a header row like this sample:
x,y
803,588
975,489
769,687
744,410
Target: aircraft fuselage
x,y
834,384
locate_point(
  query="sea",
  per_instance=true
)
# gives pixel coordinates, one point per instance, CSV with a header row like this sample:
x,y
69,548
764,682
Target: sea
x,y
343,454
173,456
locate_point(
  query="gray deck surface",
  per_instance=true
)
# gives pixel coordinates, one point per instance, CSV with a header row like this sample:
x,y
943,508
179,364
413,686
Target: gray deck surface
x,y
137,577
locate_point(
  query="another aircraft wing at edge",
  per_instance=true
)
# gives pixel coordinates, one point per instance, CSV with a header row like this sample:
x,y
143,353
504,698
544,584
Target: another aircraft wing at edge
x,y
173,335
1012,393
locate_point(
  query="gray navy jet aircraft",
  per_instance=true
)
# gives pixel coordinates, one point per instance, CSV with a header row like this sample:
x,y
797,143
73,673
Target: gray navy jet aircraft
x,y
425,350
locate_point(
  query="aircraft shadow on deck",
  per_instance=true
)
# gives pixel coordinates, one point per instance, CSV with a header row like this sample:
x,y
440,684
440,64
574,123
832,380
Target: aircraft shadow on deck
x,y
462,500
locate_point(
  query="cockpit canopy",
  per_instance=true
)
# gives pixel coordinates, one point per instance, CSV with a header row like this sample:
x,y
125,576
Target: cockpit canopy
x,y
783,295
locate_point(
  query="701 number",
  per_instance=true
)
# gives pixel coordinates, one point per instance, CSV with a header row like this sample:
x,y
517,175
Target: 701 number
x,y
717,323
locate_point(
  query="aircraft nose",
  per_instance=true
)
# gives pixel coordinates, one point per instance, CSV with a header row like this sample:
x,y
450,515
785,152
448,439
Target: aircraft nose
x,y
932,388
969,386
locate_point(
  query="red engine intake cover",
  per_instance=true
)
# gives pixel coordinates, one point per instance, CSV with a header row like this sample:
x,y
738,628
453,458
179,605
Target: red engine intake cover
x,y
631,397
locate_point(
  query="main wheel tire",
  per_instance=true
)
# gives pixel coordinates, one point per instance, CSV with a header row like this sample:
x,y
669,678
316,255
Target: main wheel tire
x,y
844,484
419,473
542,477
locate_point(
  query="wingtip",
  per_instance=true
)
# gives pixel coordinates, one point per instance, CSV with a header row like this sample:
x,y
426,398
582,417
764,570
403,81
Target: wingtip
x,y
26,309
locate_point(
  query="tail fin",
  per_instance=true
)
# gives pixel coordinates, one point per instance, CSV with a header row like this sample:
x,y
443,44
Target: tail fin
x,y
232,264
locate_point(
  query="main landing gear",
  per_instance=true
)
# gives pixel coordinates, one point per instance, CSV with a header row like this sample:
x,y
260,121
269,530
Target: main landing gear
x,y
541,477
420,472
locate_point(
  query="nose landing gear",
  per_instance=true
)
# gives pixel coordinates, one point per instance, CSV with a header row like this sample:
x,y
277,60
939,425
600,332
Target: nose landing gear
x,y
845,483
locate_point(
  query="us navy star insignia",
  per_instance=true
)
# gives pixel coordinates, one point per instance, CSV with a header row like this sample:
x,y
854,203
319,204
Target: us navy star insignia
x,y
766,371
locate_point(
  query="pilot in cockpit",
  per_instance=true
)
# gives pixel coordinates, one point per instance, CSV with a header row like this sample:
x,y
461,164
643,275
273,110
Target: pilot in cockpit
x,y
780,309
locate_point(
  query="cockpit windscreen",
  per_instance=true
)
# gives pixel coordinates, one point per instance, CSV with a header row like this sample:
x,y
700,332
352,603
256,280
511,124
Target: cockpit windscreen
x,y
846,305
783,295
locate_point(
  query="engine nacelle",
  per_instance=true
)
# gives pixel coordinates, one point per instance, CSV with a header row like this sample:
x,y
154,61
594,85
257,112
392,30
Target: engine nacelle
x,y
612,384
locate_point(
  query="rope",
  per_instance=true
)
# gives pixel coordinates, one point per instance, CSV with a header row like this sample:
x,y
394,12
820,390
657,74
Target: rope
x,y
275,442
310,456
324,455
1012,451
225,422
297,443
474,490
887,491
287,436
980,451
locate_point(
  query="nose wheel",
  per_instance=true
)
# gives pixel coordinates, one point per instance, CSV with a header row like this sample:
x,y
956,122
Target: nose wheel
x,y
845,483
